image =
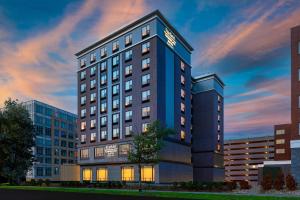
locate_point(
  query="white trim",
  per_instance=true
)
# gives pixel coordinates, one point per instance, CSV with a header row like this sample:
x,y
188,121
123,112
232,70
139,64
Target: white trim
x,y
275,162
295,143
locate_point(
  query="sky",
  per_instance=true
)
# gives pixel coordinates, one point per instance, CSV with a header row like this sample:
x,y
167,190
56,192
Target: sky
x,y
247,43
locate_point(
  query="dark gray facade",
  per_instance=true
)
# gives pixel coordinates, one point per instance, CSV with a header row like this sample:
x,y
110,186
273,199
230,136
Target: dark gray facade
x,y
207,128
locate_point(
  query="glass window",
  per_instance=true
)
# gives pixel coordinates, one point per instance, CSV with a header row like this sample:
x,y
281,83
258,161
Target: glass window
x,y
145,31
128,39
82,62
219,108
298,74
99,152
182,80
93,57
145,63
93,97
103,94
103,52
87,174
115,61
182,107
115,46
83,87
128,130
103,121
146,96
102,174
93,137
93,110
280,132
93,123
145,127
103,134
299,47
83,125
146,112
115,133
128,100
103,107
182,121
115,74
182,93
103,79
115,89
182,65
128,55
83,100
280,151
145,79
83,113
128,115
127,174
84,153
128,85
93,70
182,135
128,70
93,84
147,173
115,105
124,149
280,141
103,66
82,75
115,118
145,47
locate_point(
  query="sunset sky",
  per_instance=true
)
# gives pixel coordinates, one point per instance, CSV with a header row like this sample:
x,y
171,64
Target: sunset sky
x,y
247,43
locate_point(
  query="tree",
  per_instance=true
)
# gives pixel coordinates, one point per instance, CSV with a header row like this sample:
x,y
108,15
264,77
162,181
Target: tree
x,y
16,141
290,182
146,146
279,181
267,182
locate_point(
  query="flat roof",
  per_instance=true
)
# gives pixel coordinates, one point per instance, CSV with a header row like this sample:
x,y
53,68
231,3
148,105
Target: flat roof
x,y
207,75
119,31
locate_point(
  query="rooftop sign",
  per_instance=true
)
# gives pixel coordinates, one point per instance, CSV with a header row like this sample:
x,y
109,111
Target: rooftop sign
x,y
171,38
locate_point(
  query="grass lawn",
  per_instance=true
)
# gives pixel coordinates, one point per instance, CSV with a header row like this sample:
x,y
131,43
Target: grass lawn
x,y
184,195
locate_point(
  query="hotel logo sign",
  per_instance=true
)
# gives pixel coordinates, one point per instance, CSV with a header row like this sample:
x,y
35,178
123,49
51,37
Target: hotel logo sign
x,y
171,38
111,150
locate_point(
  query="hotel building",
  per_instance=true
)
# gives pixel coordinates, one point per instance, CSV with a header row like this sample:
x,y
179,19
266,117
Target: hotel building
x,y
55,142
242,157
136,75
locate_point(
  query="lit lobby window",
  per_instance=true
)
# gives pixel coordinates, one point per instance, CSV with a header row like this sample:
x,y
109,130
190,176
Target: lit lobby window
x,y
147,173
182,135
87,174
102,174
127,174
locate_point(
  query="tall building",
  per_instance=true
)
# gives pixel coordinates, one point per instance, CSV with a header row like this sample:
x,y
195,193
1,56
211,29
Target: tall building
x,y
55,142
242,157
208,128
282,137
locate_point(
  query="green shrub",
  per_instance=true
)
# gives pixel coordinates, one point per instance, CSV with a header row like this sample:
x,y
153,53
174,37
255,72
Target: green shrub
x,y
40,182
47,182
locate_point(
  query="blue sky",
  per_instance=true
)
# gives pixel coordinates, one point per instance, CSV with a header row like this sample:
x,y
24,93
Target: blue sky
x,y
247,43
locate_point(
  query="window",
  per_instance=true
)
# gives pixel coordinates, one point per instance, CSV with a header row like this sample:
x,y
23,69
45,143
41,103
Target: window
x,y
103,121
182,66
39,171
128,130
127,174
103,94
93,137
115,89
145,127
146,112
145,63
219,117
128,70
299,74
93,71
299,47
82,75
219,108
93,123
103,52
182,135
182,94
103,135
93,110
83,126
115,61
280,141
83,100
182,80
280,151
115,133
103,107
128,85
87,174
93,97
219,98
93,57
145,31
128,39
182,107
145,79
115,74
299,128
146,96
182,121
147,173
82,62
99,152
280,132
128,101
128,55
115,105
102,174
124,149
103,79
84,153
116,118
115,46
103,66
83,113
93,84
128,115
83,87
145,47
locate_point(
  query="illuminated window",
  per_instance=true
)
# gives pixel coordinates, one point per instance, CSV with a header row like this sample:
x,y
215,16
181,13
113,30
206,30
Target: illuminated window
x,y
82,75
93,137
84,153
93,123
103,66
182,66
145,31
115,46
83,126
103,107
280,132
182,121
280,141
83,138
182,80
146,112
219,127
147,173
219,117
182,135
128,55
127,174
145,47
219,98
102,174
128,101
82,62
218,147
182,94
93,57
103,52
280,151
99,152
115,61
128,130
103,135
124,149
128,70
145,63
145,127
182,107
128,39
219,108
87,174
